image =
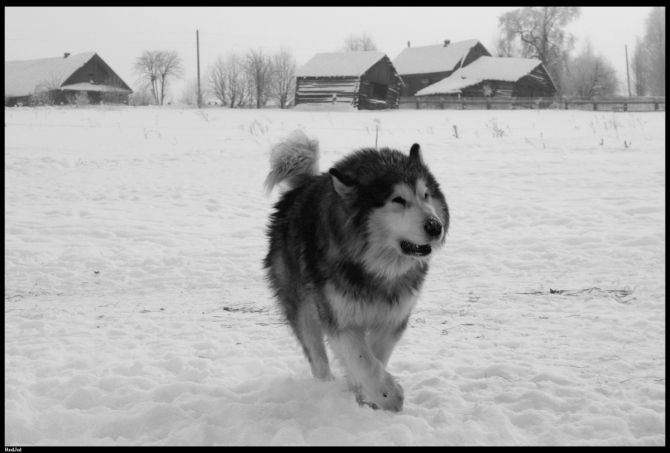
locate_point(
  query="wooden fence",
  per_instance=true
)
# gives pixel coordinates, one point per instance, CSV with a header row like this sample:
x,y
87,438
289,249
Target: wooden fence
x,y
615,104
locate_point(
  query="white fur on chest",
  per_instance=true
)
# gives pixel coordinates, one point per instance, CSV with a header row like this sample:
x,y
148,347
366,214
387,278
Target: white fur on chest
x,y
377,313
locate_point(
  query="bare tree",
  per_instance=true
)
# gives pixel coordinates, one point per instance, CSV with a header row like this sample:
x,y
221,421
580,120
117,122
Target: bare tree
x,y
539,33
216,79
503,47
226,80
539,30
361,42
654,43
591,75
283,80
236,81
157,69
259,73
639,69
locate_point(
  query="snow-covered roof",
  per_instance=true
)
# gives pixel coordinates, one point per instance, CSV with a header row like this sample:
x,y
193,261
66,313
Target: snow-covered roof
x,y
22,77
499,68
339,64
429,59
448,85
483,68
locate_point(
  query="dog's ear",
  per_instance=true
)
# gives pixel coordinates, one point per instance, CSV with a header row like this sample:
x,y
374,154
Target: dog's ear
x,y
343,185
415,153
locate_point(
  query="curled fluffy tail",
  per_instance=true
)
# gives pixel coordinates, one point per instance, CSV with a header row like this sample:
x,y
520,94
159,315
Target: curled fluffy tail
x,y
292,161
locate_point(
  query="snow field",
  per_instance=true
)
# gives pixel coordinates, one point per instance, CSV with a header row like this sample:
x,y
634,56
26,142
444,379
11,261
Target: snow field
x,y
136,312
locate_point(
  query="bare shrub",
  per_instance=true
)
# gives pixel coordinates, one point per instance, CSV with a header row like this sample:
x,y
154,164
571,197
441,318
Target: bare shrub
x,y
189,95
141,96
81,99
47,91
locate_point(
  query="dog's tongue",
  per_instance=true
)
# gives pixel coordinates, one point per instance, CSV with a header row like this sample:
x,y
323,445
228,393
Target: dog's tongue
x,y
411,248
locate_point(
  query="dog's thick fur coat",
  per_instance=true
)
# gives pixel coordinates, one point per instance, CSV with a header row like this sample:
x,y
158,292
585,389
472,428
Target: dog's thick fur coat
x,y
348,255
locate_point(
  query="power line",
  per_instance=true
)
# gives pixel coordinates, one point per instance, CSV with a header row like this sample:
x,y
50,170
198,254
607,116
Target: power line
x,y
274,38
100,32
108,42
313,49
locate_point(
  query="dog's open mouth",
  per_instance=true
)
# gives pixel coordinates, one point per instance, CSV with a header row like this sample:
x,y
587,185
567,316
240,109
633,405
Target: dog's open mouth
x,y
410,248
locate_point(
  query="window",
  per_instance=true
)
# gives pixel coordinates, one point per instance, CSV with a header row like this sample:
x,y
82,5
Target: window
x,y
378,91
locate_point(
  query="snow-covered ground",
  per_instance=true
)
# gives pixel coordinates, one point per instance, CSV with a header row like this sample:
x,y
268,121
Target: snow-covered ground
x,y
136,311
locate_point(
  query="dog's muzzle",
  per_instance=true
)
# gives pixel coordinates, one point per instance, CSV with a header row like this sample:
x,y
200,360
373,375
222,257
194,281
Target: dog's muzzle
x,y
410,248
433,227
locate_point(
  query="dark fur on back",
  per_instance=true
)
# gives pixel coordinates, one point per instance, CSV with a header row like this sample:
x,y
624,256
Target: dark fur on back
x,y
315,238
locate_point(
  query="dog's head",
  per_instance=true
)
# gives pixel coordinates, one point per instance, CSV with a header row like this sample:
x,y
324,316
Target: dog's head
x,y
395,201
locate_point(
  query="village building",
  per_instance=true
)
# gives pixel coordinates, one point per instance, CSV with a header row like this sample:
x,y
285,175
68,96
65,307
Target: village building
x,y
420,67
364,80
26,81
496,77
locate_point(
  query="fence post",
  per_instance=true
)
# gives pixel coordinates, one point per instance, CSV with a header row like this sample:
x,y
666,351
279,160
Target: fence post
x,y
417,105
656,106
595,106
625,106
488,104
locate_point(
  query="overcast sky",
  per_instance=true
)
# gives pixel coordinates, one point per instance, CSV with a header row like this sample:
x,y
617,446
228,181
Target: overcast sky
x,y
119,35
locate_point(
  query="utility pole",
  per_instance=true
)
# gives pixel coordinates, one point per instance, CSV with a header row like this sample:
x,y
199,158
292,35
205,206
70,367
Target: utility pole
x,y
627,70
197,41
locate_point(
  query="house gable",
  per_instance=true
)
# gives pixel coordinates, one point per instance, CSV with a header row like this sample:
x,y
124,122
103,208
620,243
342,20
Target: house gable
x,y
96,72
25,77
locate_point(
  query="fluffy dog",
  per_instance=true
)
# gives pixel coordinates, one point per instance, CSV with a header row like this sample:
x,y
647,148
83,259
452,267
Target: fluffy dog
x,y
348,254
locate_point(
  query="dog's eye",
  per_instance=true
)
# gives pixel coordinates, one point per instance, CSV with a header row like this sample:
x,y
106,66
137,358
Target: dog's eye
x,y
400,200
426,196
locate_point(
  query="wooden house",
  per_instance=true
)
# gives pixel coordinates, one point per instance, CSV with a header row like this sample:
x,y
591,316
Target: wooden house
x,y
364,80
63,77
496,77
422,66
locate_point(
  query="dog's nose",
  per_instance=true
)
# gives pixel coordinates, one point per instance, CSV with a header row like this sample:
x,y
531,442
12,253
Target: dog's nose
x,y
433,227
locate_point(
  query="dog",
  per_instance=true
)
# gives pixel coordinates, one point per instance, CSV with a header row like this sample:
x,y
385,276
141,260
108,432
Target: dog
x,y
348,253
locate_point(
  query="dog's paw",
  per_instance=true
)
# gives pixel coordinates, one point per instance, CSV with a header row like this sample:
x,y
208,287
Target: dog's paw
x,y
389,396
392,395
361,401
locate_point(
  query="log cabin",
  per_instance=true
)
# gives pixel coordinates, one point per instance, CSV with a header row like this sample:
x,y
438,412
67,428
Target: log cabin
x,y
496,77
364,80
423,66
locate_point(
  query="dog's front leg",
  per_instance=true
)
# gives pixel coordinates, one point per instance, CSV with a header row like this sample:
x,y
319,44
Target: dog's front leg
x,y
365,371
383,339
